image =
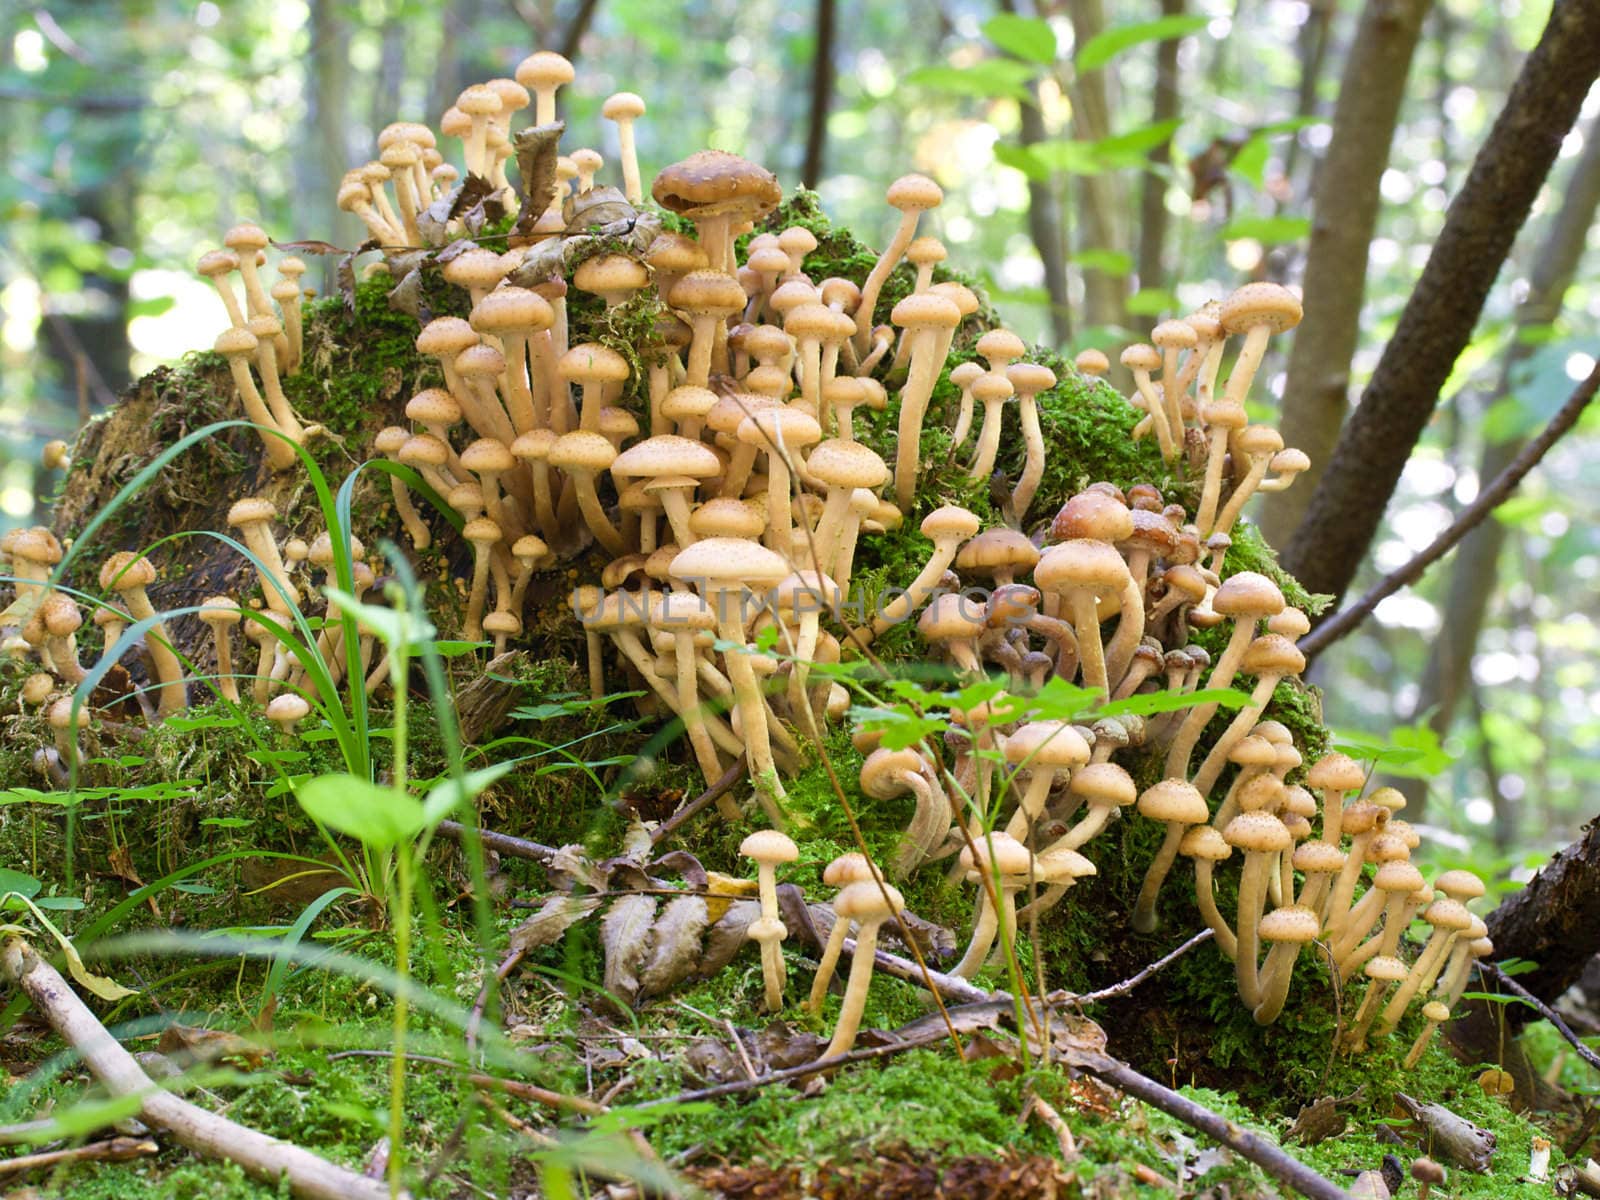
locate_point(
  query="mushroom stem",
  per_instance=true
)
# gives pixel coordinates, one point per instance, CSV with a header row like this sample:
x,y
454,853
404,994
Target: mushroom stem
x,y
1252,899
1144,911
1206,899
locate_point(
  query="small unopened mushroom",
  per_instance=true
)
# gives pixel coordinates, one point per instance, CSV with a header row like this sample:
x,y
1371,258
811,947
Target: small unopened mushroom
x,y
769,848
869,903
913,195
253,517
1288,929
287,711
1435,1013
64,723
221,614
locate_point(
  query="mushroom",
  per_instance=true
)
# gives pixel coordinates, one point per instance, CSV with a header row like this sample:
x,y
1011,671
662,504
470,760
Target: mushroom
x,y
887,773
1269,658
1207,847
1106,787
1449,920
1006,861
992,391
1257,310
1080,571
842,467
722,569
1141,360
484,534
1247,597
583,454
221,614
869,903
948,527
238,345
925,317
287,711
1435,1013
707,298
781,433
1383,971
912,195
1261,837
716,190
769,848
1047,750
1177,804
128,575
1288,929
1029,379
853,867
1170,337
1259,444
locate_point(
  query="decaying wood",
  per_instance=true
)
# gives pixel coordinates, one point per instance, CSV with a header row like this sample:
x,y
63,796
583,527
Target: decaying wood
x,y
1554,921
484,700
205,1133
117,1149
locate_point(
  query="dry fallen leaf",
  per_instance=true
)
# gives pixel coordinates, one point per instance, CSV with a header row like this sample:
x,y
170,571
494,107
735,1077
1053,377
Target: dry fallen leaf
x,y
625,937
674,945
553,918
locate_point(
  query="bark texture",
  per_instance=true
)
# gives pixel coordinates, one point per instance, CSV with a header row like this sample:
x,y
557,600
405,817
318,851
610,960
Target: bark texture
x,y
1438,320
1098,203
1346,201
1153,186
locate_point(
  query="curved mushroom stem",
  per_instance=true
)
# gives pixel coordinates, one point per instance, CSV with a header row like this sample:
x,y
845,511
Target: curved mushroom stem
x,y
1247,487
879,275
1418,980
988,440
1252,899
1144,911
1206,898
825,967
1243,722
1211,491
1033,466
929,823
984,931
1420,1046
1194,721
1276,975
1356,1039
1157,412
913,404
594,514
751,706
1031,804
1086,626
919,589
855,997
1130,628
694,721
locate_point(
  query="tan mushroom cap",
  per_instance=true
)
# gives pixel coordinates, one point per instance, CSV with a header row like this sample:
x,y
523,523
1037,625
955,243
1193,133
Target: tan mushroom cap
x,y
511,308
610,273
1253,751
709,292
1174,335
1062,865
60,614
246,236
726,517
1092,514
950,521
288,706
998,548
623,106
582,449
220,610
433,406
1174,801
1398,876
998,850
592,362
237,342
251,508
488,455
992,386
1141,357
769,846
1272,655
1248,594
1436,1011
1459,885
1092,362
545,68
845,464
668,454
36,545
1047,744
923,310
1337,772
1203,841
1448,914
951,617
1000,344
1258,833
711,182
1080,562
1386,969
445,337
914,193
1318,858
687,402
1290,623
1269,304
126,570
1292,923
1105,784
724,561
864,901
851,867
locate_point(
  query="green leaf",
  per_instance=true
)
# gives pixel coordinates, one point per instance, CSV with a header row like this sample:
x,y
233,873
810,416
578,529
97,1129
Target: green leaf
x,y
1109,262
154,306
455,649
1021,158
1270,230
1064,154
393,626
1106,45
59,903
1149,703
1148,302
899,726
1288,125
1026,37
378,817
985,80
447,795
25,886
1130,149
1251,161
228,822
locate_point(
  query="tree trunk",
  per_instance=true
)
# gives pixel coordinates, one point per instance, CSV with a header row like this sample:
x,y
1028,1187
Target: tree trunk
x,y
1473,576
1153,185
327,111
1438,320
1104,293
1312,50
821,94
1345,214
1044,223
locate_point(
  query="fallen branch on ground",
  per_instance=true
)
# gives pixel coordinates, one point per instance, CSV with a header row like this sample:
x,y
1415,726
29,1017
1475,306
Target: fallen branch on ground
x,y
117,1149
1490,498
203,1132
689,811
501,843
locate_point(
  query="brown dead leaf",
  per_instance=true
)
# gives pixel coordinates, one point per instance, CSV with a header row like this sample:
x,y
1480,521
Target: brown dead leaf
x,y
197,1044
727,937
120,860
553,918
674,945
625,938
781,1046
537,149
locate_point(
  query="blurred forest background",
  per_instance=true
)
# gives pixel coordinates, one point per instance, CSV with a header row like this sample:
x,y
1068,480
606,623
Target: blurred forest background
x,y
1104,165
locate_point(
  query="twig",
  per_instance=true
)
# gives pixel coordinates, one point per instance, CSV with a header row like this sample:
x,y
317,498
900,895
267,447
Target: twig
x,y
205,1133
1133,981
507,965
1243,1142
117,1149
1490,498
1544,1010
730,779
511,1087
503,843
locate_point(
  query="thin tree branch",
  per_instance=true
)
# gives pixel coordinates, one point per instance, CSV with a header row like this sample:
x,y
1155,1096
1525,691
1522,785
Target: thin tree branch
x,y
204,1132
503,843
822,76
700,803
577,27
1486,502
1544,1010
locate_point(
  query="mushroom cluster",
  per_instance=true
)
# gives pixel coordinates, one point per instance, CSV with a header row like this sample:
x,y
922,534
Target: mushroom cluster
x,y
703,479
